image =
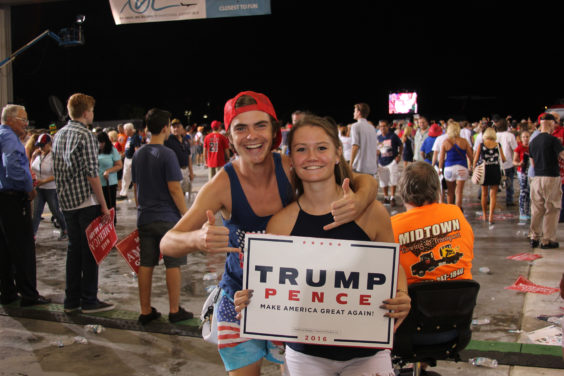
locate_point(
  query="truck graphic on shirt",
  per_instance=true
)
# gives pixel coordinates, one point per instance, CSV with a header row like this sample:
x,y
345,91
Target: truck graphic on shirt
x,y
428,263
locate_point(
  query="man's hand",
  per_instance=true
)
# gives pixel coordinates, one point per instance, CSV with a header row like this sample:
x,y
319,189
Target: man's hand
x,y
106,215
346,209
31,195
214,239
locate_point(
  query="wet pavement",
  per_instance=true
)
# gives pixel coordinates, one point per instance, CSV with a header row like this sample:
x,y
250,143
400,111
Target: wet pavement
x,y
32,346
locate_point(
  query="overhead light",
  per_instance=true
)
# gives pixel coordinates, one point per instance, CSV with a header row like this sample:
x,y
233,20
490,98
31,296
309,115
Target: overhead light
x,y
80,18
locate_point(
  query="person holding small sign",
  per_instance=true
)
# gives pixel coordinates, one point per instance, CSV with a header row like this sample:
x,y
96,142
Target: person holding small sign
x,y
247,192
79,190
321,176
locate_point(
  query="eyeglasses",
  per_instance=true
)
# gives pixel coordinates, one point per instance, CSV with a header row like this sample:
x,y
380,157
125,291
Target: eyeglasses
x,y
25,121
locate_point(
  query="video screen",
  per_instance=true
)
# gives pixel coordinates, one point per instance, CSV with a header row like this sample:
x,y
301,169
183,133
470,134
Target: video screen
x,y
402,103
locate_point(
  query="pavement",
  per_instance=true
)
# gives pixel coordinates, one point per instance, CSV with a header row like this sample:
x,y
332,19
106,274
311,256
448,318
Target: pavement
x,y
44,341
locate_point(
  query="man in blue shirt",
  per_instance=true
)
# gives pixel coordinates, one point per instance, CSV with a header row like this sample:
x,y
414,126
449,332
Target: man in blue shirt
x,y
389,154
17,246
181,147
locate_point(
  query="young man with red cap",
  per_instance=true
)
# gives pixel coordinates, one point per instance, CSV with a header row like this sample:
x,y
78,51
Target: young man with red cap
x,y
215,147
258,186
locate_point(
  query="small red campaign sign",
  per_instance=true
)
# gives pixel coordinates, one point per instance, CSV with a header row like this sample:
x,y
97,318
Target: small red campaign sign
x,y
524,285
128,248
101,237
524,256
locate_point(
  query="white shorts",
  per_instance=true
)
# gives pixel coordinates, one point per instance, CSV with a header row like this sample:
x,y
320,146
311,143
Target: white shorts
x,y
388,175
299,364
455,172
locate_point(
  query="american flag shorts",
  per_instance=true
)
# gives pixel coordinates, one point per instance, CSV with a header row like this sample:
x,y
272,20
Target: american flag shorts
x,y
237,352
228,326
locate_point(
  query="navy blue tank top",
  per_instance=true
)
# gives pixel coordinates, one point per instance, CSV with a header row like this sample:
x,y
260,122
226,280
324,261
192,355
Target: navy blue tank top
x,y
456,156
244,220
312,225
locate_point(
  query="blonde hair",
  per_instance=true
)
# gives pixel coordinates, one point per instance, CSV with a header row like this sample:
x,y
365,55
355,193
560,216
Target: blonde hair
x,y
30,144
453,129
407,132
489,134
113,136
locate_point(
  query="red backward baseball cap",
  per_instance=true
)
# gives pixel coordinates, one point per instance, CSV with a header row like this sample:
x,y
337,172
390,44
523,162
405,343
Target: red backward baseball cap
x,y
263,104
215,125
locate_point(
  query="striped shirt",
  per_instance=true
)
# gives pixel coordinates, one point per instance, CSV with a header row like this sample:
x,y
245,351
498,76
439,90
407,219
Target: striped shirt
x,y
75,157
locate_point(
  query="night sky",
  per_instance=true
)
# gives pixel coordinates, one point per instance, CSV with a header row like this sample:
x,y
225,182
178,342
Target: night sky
x,y
465,59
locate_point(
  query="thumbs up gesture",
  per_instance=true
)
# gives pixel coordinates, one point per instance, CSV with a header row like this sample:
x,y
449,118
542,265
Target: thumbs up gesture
x,y
214,239
345,209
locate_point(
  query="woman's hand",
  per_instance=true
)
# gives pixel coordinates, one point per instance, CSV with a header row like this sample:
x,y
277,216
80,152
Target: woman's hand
x,y
345,210
241,300
399,307
214,239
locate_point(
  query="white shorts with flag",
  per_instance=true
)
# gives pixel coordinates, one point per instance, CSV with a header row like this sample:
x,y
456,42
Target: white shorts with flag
x,y
237,352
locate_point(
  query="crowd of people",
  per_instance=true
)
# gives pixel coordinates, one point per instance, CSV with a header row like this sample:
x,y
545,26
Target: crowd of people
x,y
312,177
78,171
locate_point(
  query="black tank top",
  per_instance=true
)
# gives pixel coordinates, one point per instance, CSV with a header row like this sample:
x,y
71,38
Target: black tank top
x,y
312,225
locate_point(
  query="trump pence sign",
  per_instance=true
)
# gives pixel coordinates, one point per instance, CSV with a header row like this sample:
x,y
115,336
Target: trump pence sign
x,y
319,291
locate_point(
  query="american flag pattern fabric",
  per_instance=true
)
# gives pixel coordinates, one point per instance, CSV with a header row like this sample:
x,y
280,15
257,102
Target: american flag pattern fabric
x,y
227,324
240,235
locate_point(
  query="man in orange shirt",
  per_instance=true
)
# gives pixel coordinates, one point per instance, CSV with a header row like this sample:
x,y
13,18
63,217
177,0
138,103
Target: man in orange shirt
x,y
436,241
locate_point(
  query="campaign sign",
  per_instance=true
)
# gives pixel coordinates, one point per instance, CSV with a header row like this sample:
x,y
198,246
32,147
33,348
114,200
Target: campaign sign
x,y
524,285
101,237
319,291
524,256
128,248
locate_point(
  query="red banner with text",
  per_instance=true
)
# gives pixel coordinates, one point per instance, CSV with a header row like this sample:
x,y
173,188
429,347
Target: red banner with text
x,y
101,237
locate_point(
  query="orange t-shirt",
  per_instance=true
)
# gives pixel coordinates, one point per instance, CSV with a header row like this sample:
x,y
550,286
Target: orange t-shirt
x,y
436,243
